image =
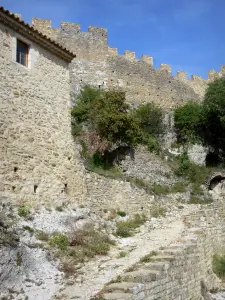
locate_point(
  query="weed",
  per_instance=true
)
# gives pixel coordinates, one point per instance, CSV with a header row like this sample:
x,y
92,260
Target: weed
x,y
178,187
158,211
195,199
180,207
41,235
19,259
121,213
126,228
147,258
132,268
218,264
68,268
59,240
160,189
23,211
122,254
28,228
59,208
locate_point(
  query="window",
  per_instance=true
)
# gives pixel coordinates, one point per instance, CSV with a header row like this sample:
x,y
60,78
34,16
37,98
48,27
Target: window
x,y
22,50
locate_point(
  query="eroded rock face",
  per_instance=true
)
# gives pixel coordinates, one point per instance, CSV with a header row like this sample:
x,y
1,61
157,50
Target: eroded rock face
x,y
218,190
149,167
27,267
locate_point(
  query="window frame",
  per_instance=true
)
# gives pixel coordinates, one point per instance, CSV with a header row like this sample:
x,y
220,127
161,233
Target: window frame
x,y
27,48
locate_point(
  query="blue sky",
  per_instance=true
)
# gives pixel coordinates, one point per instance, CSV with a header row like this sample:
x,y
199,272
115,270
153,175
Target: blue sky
x,y
187,34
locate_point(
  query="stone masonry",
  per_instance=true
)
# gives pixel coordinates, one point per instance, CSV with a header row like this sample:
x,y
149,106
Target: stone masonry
x,y
38,157
181,271
100,65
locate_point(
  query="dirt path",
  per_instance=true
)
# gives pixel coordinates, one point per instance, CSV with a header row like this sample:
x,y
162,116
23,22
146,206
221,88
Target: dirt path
x,y
96,273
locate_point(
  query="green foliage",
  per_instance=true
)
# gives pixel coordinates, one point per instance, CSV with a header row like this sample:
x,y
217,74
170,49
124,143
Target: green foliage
x,y
126,228
192,172
178,187
160,189
121,213
153,145
28,228
23,211
107,121
213,115
59,240
218,264
19,259
150,119
147,258
187,121
122,254
158,211
196,199
204,122
106,113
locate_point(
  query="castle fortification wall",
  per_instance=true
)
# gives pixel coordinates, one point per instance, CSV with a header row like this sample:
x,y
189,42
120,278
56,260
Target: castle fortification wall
x,y
100,65
38,156
181,271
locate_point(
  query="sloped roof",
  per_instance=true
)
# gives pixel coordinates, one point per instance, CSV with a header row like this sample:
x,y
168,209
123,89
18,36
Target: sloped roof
x,y
28,31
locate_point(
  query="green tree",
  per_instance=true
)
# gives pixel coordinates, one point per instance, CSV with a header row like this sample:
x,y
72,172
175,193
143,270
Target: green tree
x,y
188,122
213,116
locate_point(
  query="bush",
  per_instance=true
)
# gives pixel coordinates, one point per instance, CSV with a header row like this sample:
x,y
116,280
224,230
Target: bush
x,y
59,240
105,121
121,213
188,123
158,211
218,264
23,211
126,228
150,119
213,116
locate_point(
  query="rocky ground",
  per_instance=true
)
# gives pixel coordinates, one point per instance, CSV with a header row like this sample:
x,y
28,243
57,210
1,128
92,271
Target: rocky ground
x,y
29,270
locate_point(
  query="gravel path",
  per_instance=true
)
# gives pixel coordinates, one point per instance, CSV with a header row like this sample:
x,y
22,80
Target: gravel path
x,y
154,234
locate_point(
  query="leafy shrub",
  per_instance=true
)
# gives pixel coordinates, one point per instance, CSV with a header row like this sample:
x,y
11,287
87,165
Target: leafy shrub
x,y
126,228
19,259
121,213
153,145
28,228
150,119
196,199
59,240
192,172
158,211
178,187
213,115
122,254
160,189
106,121
218,264
188,123
23,211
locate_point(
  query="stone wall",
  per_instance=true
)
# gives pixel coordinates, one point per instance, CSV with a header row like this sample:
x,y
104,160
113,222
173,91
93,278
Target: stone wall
x,y
109,194
100,65
184,270
38,157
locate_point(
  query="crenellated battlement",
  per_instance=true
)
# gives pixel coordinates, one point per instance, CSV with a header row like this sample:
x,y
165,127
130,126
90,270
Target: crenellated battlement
x,y
148,59
165,67
97,63
130,55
